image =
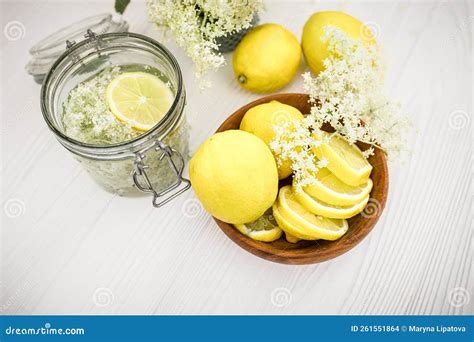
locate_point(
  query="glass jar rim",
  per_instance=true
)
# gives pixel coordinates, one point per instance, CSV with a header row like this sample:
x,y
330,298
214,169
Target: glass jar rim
x,y
142,137
54,43
45,52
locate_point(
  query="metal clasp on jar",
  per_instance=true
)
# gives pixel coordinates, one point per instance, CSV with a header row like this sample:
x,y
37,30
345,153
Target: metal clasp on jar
x,y
91,38
142,180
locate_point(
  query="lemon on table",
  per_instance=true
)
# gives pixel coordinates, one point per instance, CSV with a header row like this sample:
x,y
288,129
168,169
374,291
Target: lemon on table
x,y
260,120
315,51
263,229
298,217
235,177
345,160
139,99
318,207
330,189
267,58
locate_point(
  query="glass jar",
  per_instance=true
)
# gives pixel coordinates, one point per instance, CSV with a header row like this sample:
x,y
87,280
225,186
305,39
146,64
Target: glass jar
x,y
152,162
46,52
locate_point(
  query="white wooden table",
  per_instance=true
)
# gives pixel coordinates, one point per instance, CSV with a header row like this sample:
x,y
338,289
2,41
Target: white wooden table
x,y
70,248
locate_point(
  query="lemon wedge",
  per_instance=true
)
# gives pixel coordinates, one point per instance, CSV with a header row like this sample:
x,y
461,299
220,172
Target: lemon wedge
x,y
331,190
299,219
332,211
139,99
265,228
345,161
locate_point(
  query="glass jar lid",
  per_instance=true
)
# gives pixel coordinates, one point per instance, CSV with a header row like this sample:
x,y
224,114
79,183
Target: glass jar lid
x,y
44,53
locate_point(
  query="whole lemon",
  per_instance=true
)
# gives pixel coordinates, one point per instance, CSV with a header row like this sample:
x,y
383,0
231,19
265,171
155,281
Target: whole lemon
x,y
260,120
234,175
267,58
315,51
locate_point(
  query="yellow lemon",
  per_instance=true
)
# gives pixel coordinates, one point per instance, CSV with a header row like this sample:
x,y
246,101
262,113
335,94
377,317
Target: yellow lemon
x,y
263,229
295,219
260,120
235,177
267,58
345,160
138,98
315,51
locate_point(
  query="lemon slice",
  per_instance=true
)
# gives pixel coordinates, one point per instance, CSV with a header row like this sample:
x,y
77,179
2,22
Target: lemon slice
x,y
139,99
296,215
291,239
318,207
345,161
291,230
265,228
331,190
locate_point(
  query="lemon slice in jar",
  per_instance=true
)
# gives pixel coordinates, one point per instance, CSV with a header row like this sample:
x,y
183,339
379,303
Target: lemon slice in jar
x,y
263,229
139,99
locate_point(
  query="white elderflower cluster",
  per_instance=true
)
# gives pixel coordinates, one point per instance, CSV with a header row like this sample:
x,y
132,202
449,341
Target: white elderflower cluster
x,y
196,24
86,114
348,95
294,142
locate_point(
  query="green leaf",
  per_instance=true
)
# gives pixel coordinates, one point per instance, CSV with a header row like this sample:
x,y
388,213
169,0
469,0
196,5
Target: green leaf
x,y
121,5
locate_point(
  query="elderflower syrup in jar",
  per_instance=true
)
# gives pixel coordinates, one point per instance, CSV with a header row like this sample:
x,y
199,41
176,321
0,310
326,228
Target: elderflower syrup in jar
x,y
116,102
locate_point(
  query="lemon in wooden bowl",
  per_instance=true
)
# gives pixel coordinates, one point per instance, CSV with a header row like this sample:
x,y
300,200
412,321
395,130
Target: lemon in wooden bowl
x,y
261,121
234,175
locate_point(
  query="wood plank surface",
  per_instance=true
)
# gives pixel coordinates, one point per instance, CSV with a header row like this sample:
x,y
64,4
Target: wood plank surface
x,y
67,247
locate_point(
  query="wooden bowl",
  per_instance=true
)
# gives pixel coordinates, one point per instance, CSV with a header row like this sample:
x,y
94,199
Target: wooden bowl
x,y
310,252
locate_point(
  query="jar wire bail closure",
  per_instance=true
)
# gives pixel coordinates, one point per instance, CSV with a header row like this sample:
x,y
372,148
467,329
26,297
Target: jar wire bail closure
x,y
145,183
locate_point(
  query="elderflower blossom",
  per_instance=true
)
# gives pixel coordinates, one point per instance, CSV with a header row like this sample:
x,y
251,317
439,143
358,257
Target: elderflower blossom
x,y
349,96
196,24
87,116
